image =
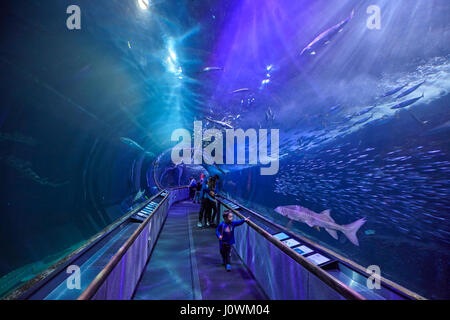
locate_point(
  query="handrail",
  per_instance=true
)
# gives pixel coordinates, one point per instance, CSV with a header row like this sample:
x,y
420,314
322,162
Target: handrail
x,y
178,188
360,268
93,287
33,285
337,285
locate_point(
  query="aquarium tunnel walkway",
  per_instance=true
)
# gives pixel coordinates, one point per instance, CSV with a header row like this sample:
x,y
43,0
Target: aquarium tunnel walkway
x,y
157,252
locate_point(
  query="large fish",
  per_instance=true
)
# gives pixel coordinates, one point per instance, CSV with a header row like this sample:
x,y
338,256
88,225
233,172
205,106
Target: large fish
x,y
222,123
24,167
410,90
363,112
17,137
407,102
133,144
207,69
211,166
322,220
241,90
335,108
439,129
269,115
364,120
325,37
392,92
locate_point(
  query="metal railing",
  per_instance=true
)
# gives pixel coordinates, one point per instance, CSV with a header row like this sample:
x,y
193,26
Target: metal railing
x,y
359,268
351,264
39,281
326,278
94,286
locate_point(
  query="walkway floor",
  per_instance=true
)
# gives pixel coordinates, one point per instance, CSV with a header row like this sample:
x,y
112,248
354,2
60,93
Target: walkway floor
x,y
186,264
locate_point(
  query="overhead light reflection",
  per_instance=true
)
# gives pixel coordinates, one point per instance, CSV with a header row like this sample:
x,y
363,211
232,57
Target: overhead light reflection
x,y
171,63
172,54
143,4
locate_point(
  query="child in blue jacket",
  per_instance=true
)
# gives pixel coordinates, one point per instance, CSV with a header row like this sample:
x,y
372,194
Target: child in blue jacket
x,y
225,233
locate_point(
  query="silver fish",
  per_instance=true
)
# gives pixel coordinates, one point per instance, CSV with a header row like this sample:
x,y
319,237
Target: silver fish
x,y
410,90
207,69
241,90
392,92
407,103
222,123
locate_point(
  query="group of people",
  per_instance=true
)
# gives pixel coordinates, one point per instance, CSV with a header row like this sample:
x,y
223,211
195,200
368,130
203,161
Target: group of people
x,y
204,192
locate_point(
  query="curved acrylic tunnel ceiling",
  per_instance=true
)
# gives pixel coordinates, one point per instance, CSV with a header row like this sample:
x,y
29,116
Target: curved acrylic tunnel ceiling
x,y
84,114
77,110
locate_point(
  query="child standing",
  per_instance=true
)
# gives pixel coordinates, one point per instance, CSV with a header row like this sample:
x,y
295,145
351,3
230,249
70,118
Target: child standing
x,y
225,233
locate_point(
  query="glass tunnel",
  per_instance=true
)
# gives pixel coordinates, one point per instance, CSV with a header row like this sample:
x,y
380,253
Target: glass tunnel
x,y
325,122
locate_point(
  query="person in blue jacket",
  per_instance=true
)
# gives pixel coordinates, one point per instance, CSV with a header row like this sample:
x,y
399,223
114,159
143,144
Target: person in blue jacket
x,y
225,233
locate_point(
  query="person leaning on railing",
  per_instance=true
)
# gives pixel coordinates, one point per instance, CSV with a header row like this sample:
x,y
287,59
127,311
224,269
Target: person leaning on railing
x,y
225,233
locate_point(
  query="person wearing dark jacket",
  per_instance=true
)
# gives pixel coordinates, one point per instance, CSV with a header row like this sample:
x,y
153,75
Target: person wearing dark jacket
x,y
211,205
198,189
203,204
225,233
214,207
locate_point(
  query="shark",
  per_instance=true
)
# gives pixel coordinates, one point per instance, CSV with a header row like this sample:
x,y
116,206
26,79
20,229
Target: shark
x,y
133,144
325,37
439,129
24,167
322,220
